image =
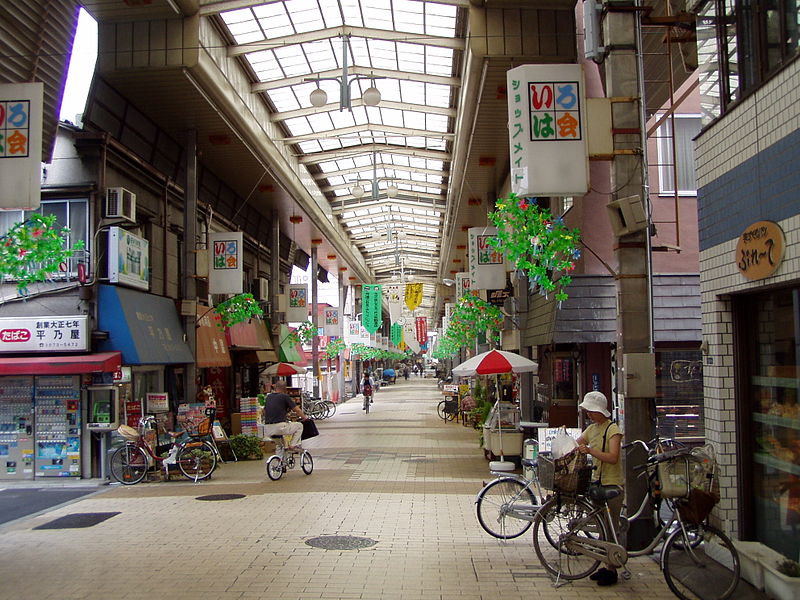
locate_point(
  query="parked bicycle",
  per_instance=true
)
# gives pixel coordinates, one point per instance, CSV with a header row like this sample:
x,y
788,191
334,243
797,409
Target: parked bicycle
x,y
447,409
317,408
507,505
284,459
573,533
196,459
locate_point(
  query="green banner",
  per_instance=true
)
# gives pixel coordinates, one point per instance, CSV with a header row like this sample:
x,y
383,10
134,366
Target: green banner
x,y
371,296
397,333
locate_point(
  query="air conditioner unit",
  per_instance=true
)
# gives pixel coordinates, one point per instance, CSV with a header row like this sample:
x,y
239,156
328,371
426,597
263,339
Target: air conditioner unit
x,y
120,204
260,288
627,215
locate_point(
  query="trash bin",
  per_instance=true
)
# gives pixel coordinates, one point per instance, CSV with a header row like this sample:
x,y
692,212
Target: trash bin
x,y
530,449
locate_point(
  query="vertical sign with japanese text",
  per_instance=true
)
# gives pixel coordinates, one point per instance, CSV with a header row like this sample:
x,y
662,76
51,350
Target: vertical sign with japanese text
x,y
297,303
371,298
394,301
421,324
330,326
226,258
486,265
413,295
20,145
547,131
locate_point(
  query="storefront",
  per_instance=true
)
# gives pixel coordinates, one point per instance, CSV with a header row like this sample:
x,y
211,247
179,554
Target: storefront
x,y
213,360
44,397
251,347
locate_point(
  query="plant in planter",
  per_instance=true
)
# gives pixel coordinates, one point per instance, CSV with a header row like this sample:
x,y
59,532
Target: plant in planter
x,y
247,447
782,581
790,568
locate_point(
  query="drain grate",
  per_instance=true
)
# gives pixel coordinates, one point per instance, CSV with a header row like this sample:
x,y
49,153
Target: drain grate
x,y
78,520
218,497
420,460
340,542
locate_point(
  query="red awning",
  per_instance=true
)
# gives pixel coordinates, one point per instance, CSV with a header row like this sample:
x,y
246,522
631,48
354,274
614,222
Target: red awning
x,y
212,348
249,335
102,362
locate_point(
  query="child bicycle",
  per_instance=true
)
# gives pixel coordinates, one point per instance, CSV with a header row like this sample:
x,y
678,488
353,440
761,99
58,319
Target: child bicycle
x,y
196,459
284,459
573,534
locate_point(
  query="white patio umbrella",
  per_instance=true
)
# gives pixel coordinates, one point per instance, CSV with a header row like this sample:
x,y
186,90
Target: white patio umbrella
x,y
495,362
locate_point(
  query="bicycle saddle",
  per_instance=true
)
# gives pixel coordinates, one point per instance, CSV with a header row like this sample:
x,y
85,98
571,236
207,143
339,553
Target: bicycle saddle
x,y
528,462
602,493
276,437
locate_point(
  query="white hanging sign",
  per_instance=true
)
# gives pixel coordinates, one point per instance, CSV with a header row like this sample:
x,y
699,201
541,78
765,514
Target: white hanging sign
x,y
225,262
395,301
547,130
486,264
21,145
410,336
330,326
297,302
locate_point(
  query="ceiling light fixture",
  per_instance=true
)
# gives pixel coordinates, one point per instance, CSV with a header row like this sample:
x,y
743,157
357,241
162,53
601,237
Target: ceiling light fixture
x,y
370,96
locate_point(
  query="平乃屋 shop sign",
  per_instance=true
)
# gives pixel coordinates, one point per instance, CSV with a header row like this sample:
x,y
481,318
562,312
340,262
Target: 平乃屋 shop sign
x,y
547,130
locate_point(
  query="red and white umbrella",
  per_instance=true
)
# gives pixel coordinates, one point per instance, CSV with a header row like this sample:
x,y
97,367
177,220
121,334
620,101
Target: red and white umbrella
x,y
494,362
283,369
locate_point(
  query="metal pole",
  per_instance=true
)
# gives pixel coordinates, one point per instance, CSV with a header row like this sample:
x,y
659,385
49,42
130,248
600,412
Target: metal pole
x,y
342,299
189,283
314,321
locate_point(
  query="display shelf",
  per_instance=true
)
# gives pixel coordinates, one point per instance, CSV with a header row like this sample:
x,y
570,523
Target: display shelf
x,y
776,463
781,382
776,420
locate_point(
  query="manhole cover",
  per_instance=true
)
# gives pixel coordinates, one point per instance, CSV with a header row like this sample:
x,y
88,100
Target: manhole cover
x,y
77,520
340,542
217,497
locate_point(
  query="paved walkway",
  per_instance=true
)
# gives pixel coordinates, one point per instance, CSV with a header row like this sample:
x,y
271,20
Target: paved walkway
x,y
399,476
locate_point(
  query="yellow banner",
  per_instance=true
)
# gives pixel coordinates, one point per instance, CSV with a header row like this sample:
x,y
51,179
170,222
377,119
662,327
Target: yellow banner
x,y
413,295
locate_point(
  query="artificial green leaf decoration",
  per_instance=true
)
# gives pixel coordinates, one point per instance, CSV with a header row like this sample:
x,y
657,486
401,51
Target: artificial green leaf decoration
x,y
237,309
33,249
471,317
306,332
334,348
541,247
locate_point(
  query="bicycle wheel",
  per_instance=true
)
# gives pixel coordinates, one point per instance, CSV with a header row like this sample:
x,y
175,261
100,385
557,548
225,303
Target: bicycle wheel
x,y
274,467
129,464
197,460
331,406
366,404
558,519
706,570
440,411
306,463
494,503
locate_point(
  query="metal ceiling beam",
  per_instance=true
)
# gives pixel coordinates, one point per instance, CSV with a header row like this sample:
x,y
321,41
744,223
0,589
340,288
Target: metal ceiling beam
x,y
351,151
357,70
214,7
396,180
348,31
334,106
381,165
354,205
344,131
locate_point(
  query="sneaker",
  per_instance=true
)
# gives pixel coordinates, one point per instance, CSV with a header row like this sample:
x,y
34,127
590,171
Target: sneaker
x,y
598,574
608,578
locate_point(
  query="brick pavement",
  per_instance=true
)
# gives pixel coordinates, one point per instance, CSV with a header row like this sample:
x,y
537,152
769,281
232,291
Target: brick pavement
x,y
399,476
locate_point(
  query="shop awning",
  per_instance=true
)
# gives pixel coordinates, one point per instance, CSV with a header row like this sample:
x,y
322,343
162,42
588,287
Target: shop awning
x,y
144,327
289,350
212,347
249,335
101,362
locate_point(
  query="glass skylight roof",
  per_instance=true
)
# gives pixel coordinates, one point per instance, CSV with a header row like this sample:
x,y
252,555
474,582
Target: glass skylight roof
x,y
406,49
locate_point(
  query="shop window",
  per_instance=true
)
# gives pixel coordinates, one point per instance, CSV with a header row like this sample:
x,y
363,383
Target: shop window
x,y
771,417
679,395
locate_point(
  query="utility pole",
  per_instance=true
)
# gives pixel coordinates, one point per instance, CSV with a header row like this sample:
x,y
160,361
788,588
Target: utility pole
x,y
624,84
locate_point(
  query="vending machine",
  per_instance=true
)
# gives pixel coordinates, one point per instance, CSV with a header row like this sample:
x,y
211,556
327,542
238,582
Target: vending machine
x,y
16,428
58,426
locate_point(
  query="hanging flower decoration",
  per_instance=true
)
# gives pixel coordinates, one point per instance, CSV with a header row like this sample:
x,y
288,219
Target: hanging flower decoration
x,y
33,249
237,309
471,317
334,348
541,247
306,332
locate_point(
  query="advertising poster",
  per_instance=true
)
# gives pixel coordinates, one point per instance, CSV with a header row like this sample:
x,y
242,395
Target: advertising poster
x,y
128,259
371,296
421,326
330,326
394,301
410,336
157,402
413,295
226,262
486,265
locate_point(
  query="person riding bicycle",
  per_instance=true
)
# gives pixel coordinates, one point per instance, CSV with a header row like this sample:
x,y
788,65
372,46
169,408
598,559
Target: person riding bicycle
x,y
602,441
277,405
368,388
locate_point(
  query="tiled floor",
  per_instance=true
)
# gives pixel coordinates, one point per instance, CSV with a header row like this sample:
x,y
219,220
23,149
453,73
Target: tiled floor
x,y
399,476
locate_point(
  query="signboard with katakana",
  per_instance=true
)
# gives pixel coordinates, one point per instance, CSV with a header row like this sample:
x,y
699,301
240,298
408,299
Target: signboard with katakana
x,y
547,131
20,145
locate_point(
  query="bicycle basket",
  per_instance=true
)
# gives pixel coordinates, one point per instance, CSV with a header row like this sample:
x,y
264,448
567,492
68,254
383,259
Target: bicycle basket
x,y
697,506
569,474
692,470
544,464
128,432
450,406
199,429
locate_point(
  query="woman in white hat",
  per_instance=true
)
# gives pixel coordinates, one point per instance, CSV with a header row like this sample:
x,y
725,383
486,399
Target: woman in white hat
x,y
602,441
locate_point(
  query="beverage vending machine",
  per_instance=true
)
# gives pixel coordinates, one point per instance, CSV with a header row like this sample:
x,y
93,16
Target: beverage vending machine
x,y
58,426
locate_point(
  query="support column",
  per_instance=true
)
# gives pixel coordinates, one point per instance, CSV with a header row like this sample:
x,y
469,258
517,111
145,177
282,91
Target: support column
x,y
275,270
189,256
314,320
342,300
628,177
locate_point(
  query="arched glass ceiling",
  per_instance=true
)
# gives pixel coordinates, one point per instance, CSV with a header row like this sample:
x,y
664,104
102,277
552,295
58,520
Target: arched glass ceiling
x,y
410,51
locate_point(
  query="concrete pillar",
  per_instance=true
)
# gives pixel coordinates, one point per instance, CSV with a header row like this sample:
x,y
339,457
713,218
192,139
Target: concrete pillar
x,y
342,300
189,283
634,323
275,270
314,320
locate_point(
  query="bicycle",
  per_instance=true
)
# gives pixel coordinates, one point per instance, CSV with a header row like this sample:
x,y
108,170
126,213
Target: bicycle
x,y
367,402
316,408
571,538
130,463
447,410
283,460
507,506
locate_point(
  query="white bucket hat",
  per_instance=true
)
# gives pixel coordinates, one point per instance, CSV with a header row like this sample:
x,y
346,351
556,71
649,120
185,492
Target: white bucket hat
x,y
596,402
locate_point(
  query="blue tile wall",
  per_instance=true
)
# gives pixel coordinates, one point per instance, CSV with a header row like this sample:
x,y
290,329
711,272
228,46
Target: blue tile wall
x,y
766,187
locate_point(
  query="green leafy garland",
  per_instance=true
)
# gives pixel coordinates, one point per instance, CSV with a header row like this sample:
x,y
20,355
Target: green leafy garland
x,y
334,348
471,317
33,249
364,352
237,309
306,332
536,244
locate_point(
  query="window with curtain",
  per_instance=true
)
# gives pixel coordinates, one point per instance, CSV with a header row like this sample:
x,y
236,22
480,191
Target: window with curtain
x,y
686,127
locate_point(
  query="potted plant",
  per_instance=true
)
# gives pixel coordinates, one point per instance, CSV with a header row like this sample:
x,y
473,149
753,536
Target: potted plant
x,y
782,581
